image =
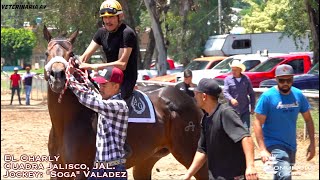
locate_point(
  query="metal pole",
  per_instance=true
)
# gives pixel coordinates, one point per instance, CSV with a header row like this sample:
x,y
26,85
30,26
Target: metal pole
x,y
219,15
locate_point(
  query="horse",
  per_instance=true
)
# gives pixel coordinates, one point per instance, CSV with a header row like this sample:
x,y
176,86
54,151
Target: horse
x,y
72,136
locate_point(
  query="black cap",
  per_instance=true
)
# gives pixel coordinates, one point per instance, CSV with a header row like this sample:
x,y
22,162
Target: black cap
x,y
187,73
208,86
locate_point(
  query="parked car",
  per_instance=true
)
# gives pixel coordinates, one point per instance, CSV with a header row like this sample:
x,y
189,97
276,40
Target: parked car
x,y
146,74
249,60
196,64
303,81
301,64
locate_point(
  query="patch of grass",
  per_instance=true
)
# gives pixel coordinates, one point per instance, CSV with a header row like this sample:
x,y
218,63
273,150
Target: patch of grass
x,y
315,117
38,71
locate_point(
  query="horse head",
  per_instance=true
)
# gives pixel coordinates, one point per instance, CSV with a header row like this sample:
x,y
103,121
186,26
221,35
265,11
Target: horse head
x,y
58,53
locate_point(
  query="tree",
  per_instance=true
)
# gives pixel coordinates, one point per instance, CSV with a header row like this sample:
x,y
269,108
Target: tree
x,y
16,44
312,7
265,17
151,6
189,23
294,17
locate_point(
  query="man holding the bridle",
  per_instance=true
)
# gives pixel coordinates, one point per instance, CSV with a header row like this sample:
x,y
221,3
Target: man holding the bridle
x,y
112,121
119,43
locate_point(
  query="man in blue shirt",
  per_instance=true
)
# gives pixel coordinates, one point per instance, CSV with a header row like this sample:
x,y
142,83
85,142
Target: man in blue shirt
x,y
275,125
27,82
236,89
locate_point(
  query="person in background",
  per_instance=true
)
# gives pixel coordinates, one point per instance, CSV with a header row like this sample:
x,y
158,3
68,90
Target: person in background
x,y
275,126
187,82
15,84
224,141
237,88
27,83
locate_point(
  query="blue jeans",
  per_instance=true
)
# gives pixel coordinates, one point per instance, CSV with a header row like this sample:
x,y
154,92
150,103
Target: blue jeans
x,y
117,172
285,159
28,91
245,117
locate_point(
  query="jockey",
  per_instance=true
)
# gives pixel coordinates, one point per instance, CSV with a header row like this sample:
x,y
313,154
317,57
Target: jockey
x,y
119,43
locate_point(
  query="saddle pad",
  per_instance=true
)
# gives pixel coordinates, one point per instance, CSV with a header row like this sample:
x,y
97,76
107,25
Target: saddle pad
x,y
140,108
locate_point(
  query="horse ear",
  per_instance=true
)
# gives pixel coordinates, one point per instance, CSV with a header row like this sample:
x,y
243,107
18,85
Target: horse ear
x,y
73,36
46,33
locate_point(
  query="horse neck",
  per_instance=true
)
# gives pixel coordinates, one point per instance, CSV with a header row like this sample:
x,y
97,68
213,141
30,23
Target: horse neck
x,y
64,112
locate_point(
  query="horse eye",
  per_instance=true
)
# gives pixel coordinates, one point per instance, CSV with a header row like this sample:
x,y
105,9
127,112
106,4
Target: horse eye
x,y
47,54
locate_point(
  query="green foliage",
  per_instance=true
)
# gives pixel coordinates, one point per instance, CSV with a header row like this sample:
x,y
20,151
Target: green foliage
x,y
68,16
288,16
265,17
16,44
296,19
315,117
187,36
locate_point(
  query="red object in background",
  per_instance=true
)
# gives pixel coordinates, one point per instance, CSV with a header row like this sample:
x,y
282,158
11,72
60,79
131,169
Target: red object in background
x,y
15,78
169,61
145,77
257,77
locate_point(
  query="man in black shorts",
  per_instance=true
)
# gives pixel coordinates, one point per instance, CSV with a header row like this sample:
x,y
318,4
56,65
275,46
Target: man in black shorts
x,y
119,43
224,141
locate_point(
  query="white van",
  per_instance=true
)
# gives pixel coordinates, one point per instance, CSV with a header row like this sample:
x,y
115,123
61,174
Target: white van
x,y
249,60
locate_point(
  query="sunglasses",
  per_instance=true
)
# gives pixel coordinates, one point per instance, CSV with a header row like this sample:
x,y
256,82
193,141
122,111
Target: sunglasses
x,y
282,81
108,10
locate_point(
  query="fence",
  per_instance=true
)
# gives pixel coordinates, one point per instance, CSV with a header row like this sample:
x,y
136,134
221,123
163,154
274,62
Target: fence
x,y
312,96
39,87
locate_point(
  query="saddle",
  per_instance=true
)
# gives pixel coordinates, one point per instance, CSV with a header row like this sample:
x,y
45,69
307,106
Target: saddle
x,y
141,109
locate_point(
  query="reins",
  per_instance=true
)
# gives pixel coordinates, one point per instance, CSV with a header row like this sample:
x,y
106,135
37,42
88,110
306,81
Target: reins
x,y
83,77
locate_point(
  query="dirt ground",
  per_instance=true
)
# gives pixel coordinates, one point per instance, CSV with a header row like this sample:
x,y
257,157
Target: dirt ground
x,y
25,130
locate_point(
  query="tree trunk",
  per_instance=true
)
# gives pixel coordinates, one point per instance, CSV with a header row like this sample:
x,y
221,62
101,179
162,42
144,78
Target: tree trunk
x,y
149,51
130,21
184,12
158,34
313,15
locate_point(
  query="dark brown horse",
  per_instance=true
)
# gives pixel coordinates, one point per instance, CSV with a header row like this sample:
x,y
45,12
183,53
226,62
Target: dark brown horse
x,y
72,136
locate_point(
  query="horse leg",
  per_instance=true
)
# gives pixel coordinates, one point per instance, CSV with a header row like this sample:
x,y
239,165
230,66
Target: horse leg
x,y
53,150
143,170
186,160
79,146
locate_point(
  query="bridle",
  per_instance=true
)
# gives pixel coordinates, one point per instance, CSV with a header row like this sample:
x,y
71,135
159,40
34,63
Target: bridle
x,y
54,42
51,44
73,62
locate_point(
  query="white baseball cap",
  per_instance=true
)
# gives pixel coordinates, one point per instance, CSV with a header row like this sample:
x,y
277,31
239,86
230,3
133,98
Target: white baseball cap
x,y
15,68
